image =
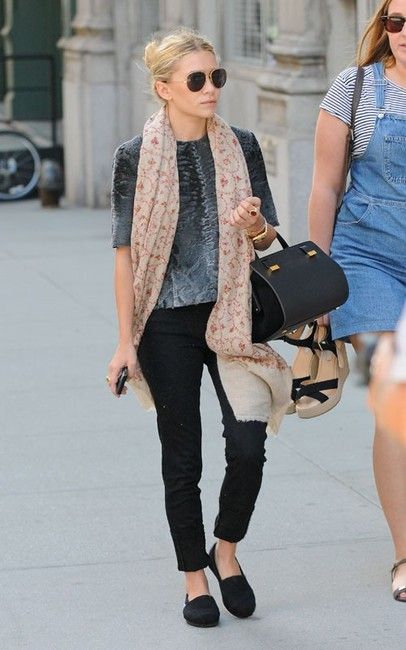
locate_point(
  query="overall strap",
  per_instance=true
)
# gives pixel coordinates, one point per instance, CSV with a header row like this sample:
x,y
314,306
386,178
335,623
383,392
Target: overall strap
x,y
380,84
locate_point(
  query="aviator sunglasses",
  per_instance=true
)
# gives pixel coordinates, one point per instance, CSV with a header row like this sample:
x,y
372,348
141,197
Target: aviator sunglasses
x,y
393,24
195,80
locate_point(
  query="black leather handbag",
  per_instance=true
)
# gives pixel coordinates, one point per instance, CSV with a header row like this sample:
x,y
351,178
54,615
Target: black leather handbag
x,y
292,287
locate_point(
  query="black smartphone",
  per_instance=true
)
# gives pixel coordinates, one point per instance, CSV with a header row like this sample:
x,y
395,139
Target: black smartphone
x,y
122,378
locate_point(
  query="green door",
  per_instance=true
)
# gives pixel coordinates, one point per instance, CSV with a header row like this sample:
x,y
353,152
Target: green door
x,y
31,28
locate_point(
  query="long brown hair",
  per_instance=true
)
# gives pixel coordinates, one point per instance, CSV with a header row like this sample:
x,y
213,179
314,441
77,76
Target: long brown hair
x,y
374,44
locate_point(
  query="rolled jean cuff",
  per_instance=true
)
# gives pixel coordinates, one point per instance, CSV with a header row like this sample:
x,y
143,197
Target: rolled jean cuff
x,y
190,552
231,528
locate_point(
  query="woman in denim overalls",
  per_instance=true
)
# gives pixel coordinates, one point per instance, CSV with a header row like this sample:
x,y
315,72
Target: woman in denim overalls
x,y
369,238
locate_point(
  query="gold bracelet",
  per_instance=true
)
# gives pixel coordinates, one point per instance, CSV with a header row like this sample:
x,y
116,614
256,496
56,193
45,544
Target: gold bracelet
x,y
260,236
259,232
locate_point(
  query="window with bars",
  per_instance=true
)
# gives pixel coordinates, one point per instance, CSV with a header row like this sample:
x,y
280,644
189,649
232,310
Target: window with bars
x,y
248,27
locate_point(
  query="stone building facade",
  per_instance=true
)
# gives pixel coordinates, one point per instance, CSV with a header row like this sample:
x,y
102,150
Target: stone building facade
x,y
280,56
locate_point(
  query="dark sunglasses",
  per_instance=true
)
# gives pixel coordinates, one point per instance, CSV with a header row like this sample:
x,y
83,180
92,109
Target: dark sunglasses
x,y
393,24
195,80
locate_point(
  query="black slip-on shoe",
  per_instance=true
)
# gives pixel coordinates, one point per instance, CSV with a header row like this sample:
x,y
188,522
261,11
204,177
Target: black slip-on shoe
x,y
201,611
237,594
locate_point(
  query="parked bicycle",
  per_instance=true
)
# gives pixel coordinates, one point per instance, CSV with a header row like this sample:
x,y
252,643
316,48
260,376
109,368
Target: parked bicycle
x,y
19,157
19,165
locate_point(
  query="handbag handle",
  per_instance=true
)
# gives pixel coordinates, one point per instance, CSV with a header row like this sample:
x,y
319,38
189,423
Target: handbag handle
x,y
359,81
304,247
282,241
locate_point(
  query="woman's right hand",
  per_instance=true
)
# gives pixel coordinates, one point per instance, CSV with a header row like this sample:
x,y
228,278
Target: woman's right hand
x,y
123,356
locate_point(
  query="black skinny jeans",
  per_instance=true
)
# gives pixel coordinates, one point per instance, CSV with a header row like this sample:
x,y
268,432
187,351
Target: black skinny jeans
x,y
172,353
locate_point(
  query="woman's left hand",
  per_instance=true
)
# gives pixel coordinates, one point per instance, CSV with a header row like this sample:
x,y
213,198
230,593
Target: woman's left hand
x,y
247,215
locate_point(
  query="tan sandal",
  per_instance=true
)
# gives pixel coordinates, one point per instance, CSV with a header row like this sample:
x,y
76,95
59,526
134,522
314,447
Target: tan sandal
x,y
304,367
399,591
320,395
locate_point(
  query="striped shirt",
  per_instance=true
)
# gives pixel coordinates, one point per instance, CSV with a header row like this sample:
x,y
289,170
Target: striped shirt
x,y
338,102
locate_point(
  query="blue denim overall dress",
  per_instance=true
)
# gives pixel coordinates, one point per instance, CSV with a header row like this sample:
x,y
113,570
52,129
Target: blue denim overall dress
x,y
369,240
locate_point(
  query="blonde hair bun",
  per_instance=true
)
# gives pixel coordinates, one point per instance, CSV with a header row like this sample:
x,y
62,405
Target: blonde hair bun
x,y
163,52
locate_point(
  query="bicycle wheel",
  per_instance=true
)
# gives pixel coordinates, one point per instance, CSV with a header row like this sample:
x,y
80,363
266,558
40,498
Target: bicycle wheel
x,y
19,165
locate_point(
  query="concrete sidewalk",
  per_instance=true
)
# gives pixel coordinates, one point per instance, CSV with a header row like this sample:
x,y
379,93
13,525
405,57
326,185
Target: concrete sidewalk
x,y
86,559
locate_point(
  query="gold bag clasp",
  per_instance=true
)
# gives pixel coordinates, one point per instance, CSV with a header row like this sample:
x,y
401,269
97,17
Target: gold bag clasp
x,y
274,267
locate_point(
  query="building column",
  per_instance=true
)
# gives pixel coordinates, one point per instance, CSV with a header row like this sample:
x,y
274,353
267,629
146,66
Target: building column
x,y
89,102
289,93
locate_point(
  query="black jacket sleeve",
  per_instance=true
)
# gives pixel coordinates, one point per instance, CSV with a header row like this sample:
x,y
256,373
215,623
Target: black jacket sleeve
x,y
256,169
125,165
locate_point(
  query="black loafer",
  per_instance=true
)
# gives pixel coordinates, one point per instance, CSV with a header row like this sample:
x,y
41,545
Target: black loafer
x,y
201,611
237,594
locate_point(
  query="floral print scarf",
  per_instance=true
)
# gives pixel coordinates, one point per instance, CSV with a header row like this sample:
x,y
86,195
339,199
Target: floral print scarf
x,y
255,378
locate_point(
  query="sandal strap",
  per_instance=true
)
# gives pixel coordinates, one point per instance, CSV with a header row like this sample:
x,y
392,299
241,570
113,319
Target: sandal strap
x,y
302,343
296,384
311,343
314,390
396,566
326,344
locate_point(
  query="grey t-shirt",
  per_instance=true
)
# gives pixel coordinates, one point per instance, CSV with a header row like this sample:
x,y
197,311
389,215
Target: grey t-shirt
x,y
191,275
